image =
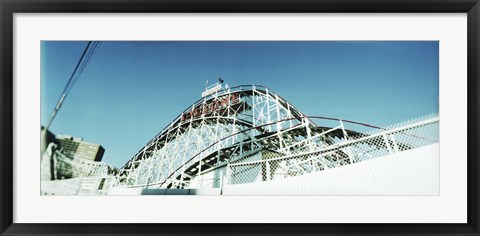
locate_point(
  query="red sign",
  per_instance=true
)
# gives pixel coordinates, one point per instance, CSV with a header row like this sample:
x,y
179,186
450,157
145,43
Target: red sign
x,y
212,106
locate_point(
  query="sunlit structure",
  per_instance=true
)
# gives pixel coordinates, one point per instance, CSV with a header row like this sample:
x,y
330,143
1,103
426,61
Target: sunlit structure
x,y
248,136
247,140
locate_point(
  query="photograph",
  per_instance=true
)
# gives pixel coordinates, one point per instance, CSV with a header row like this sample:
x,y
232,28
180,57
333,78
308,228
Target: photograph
x,y
239,118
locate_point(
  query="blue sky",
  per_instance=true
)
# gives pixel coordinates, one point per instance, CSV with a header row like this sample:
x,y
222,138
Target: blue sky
x,y
131,90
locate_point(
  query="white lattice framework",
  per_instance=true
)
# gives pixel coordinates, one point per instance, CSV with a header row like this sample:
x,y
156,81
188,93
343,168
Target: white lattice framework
x,y
211,124
231,126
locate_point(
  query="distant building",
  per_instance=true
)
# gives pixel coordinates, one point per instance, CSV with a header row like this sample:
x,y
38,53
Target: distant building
x,y
72,146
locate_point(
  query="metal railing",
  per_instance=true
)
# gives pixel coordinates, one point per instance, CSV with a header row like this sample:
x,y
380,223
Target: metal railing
x,y
269,165
57,165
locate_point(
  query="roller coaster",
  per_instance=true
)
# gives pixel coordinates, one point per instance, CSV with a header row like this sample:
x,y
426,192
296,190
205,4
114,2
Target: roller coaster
x,y
248,134
241,136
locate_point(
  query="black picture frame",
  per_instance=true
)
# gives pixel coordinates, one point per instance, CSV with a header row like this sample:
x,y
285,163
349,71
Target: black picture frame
x,y
10,7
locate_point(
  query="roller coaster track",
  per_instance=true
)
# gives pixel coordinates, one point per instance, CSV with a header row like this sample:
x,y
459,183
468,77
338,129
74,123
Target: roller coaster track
x,y
237,124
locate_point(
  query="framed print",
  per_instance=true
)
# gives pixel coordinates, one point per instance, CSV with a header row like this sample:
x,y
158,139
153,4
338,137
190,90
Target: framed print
x,y
239,118
213,146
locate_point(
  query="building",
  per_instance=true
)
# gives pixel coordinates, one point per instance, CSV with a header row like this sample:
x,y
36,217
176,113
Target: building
x,y
71,166
76,147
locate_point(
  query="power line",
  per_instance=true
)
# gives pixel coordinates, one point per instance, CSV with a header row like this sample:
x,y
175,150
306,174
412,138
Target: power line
x,y
88,52
83,63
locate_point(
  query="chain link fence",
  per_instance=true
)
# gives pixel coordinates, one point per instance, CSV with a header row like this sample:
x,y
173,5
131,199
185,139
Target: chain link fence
x,y
269,165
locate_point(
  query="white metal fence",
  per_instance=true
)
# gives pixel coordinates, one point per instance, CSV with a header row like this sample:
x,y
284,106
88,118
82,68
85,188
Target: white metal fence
x,y
98,185
271,165
56,165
